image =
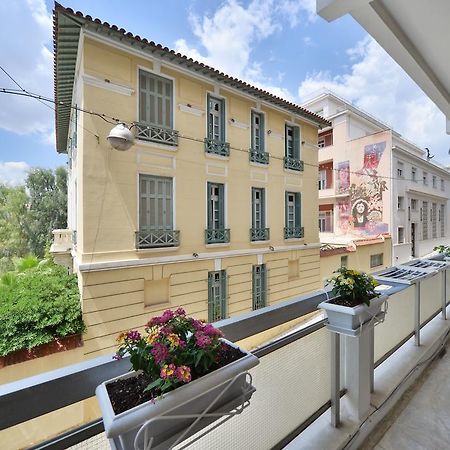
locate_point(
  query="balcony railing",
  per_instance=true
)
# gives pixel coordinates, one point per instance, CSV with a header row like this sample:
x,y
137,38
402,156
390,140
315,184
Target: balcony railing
x,y
293,164
216,147
157,238
156,133
217,235
302,383
258,157
294,232
259,234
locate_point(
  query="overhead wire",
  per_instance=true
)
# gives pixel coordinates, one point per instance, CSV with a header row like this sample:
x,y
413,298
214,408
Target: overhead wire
x,y
114,120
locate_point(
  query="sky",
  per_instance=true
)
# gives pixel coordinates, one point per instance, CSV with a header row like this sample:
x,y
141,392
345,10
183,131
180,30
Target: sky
x,y
278,45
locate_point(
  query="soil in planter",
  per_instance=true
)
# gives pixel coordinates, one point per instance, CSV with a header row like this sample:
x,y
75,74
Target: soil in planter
x,y
344,302
127,393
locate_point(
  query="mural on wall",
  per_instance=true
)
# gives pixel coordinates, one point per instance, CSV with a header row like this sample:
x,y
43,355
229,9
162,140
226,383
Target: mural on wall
x,y
343,181
362,213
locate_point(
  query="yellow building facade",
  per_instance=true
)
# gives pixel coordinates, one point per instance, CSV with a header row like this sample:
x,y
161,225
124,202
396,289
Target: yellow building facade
x,y
214,207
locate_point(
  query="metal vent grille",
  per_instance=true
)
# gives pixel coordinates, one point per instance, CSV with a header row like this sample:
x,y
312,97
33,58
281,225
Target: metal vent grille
x,y
427,264
402,275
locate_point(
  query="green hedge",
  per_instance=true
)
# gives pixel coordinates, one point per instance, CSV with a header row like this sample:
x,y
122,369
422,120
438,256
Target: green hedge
x,y
40,305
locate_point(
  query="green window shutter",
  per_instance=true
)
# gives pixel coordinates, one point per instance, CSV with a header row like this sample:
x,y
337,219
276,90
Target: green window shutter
x,y
263,208
253,131
286,209
209,205
298,221
222,120
209,118
296,142
262,133
221,206
223,292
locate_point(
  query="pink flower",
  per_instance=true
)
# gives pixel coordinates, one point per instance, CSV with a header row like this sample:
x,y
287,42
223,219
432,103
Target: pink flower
x,y
202,340
180,312
167,315
133,335
183,373
165,330
160,352
212,331
167,371
197,324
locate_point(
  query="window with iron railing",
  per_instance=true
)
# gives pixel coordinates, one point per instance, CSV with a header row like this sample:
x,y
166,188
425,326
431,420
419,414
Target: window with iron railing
x,y
292,148
293,228
257,151
215,138
216,232
259,232
156,109
156,213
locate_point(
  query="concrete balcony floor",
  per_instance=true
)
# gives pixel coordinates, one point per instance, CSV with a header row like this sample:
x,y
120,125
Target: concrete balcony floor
x,y
421,419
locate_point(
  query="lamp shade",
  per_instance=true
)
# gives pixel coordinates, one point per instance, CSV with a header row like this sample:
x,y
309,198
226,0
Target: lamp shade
x,y
120,137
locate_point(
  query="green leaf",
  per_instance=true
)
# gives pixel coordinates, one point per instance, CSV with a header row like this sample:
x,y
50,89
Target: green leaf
x,y
156,384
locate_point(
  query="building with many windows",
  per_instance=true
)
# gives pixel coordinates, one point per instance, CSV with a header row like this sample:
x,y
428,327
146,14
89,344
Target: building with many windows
x,y
372,181
206,210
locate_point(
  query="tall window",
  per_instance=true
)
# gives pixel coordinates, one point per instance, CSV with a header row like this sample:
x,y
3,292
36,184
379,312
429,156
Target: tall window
x,y
293,227
292,148
425,178
216,232
217,295
326,221
414,174
400,202
259,286
216,118
434,180
433,220
257,132
442,220
424,220
258,232
400,169
400,235
155,100
322,179
156,212
442,184
344,261
413,204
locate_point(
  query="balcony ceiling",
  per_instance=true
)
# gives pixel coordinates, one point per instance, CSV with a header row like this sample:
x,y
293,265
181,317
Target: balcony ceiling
x,y
415,33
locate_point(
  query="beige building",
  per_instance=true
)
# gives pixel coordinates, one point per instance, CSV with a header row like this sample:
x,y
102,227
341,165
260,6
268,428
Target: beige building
x,y
214,207
372,181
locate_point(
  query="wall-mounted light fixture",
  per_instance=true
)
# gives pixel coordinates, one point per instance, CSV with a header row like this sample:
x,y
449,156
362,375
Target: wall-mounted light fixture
x,y
120,137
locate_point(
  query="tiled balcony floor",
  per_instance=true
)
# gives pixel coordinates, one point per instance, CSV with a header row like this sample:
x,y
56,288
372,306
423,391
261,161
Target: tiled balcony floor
x,y
421,420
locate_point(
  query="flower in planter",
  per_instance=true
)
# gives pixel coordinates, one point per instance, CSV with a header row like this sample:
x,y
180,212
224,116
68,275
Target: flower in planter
x,y
175,350
352,287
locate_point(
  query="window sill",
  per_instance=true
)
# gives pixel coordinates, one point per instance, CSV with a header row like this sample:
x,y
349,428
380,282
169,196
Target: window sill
x,y
260,242
257,164
216,156
296,172
294,239
157,249
145,143
220,244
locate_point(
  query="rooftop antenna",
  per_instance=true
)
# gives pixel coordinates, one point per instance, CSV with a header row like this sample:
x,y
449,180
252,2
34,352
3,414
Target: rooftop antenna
x,y
429,155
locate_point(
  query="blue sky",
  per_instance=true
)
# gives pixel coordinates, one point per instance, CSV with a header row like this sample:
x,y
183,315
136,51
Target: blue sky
x,y
280,45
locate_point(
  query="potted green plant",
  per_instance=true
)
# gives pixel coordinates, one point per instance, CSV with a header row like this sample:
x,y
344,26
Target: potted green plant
x,y
181,366
443,249
354,300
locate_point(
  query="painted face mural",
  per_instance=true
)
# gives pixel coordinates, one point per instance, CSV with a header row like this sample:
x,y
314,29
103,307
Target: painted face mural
x,y
343,181
362,211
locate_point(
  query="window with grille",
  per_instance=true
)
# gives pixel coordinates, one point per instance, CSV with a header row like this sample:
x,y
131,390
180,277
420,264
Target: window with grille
x,y
155,100
424,220
413,204
216,118
217,295
216,206
259,282
293,228
376,260
292,142
257,138
433,220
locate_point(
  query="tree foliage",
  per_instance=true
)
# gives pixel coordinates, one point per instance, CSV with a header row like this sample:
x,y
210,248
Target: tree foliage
x,y
29,213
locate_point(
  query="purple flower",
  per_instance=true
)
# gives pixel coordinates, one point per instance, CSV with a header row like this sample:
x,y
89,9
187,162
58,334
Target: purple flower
x,y
160,352
197,324
180,312
165,330
202,340
133,335
153,321
212,331
167,315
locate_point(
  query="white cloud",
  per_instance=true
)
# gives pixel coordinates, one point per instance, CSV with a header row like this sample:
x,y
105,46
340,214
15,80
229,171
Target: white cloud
x,y
25,36
378,85
13,172
231,33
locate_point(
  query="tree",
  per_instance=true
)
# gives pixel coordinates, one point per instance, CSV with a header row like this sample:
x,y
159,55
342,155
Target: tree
x,y
13,219
47,191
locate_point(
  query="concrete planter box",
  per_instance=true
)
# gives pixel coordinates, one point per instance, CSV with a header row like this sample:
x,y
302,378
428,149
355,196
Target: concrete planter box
x,y
190,399
348,318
